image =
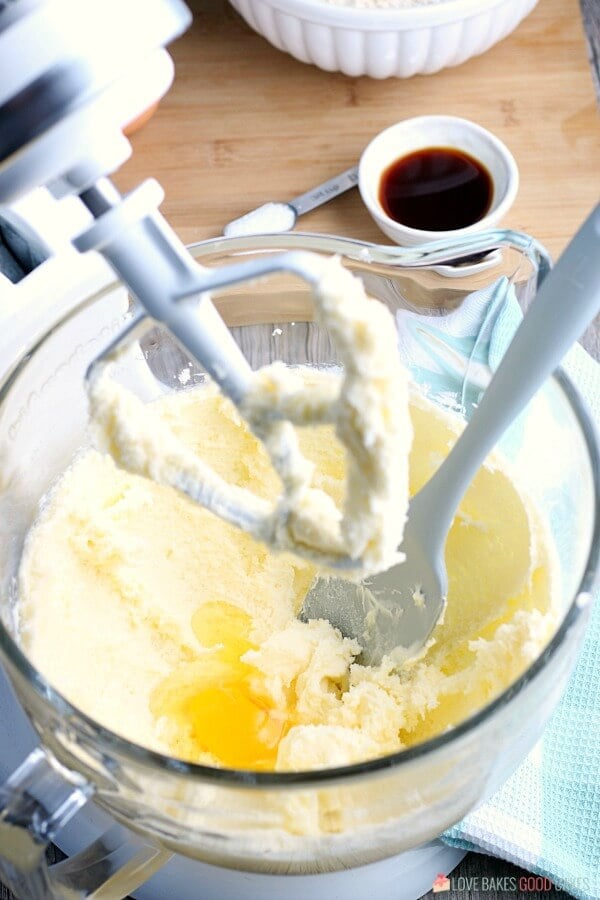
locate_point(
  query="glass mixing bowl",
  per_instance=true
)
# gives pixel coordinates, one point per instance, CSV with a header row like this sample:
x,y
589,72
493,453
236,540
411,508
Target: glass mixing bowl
x,y
252,821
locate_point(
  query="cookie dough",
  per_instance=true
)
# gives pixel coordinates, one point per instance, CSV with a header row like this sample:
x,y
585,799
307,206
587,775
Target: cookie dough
x,y
178,630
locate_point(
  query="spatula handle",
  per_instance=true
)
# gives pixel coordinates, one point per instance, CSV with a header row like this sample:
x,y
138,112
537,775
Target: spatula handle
x,y
566,303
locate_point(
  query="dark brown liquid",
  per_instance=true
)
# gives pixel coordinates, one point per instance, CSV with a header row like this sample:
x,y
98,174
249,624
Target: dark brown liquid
x,y
436,189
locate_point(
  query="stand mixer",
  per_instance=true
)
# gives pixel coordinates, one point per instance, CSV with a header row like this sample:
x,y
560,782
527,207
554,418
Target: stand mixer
x,y
75,75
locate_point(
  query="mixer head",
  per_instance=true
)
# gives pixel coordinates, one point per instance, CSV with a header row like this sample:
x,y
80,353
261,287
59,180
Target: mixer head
x,y
73,75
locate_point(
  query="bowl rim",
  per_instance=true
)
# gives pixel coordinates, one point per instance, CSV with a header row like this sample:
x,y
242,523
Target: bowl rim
x,y
109,741
443,12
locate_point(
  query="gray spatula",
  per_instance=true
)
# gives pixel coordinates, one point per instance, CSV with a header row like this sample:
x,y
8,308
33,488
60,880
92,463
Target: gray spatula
x,y
397,610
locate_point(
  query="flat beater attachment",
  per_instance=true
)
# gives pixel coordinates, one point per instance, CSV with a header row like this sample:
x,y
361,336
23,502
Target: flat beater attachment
x,y
365,404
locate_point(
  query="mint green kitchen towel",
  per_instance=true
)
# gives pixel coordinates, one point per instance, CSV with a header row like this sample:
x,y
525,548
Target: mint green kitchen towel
x,y
546,817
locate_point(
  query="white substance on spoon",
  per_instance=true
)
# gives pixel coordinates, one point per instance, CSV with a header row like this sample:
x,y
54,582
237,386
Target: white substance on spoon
x,y
271,218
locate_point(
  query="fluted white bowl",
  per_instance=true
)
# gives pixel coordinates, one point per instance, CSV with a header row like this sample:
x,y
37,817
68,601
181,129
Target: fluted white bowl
x,y
388,42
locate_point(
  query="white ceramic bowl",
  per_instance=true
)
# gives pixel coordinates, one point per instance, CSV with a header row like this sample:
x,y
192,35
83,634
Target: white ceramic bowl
x,y
384,42
419,133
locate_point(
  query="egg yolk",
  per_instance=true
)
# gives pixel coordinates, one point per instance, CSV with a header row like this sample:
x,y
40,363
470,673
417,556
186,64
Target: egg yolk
x,y
217,703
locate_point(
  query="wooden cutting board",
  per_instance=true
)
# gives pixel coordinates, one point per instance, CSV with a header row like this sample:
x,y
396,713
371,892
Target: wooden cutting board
x,y
245,123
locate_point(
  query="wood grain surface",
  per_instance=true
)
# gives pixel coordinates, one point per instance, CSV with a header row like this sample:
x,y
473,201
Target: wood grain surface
x,y
245,124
